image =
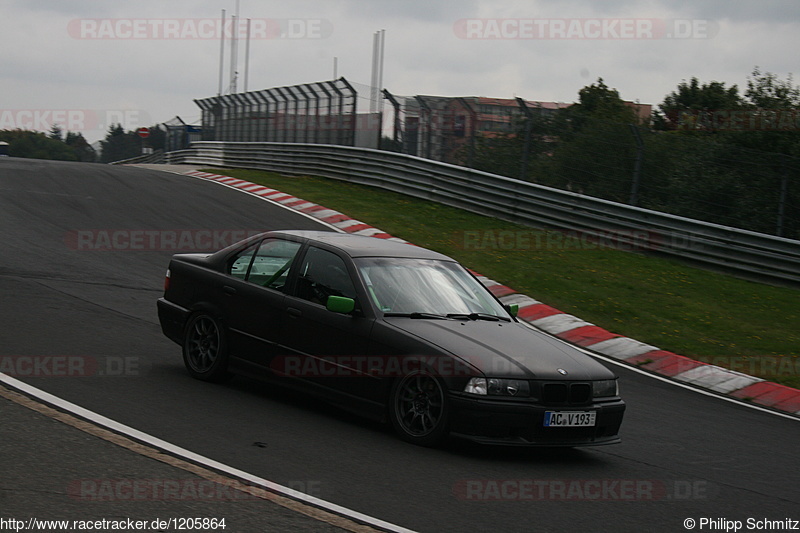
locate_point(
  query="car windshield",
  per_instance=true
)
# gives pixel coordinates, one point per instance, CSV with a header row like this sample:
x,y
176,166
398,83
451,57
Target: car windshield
x,y
426,288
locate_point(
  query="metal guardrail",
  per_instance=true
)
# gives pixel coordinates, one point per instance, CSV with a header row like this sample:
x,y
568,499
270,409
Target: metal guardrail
x,y
155,157
738,251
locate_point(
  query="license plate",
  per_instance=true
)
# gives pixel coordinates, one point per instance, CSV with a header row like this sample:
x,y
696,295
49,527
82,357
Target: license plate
x,y
568,419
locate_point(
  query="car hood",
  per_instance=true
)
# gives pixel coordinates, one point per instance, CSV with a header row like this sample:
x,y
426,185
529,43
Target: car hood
x,y
505,349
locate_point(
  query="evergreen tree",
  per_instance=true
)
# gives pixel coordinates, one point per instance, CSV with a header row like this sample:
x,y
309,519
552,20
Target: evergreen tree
x,y
36,145
119,145
83,150
56,133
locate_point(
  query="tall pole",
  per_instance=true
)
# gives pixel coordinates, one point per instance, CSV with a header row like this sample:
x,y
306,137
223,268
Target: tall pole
x,y
374,79
232,82
247,57
379,88
380,62
221,52
377,69
235,48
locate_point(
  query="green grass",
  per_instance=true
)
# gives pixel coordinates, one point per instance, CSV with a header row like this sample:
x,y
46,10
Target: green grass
x,y
742,325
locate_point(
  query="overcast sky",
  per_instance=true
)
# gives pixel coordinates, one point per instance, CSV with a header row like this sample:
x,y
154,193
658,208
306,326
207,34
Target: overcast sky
x,y
84,63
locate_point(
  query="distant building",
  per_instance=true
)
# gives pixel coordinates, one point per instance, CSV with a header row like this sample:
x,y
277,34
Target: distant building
x,y
438,127
643,111
433,127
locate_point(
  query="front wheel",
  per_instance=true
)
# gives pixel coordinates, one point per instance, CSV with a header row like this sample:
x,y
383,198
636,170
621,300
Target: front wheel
x,y
204,350
419,408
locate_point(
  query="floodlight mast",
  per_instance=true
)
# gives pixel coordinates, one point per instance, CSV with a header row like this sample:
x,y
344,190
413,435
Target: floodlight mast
x,y
221,52
378,39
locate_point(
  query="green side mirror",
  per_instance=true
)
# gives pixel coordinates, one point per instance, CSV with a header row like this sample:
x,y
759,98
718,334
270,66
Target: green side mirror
x,y
512,309
340,304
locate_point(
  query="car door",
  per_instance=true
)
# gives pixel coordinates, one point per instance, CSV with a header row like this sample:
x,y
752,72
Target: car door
x,y
326,348
254,293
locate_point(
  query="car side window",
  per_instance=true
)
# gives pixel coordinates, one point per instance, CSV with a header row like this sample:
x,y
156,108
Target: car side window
x,y
267,264
323,274
240,264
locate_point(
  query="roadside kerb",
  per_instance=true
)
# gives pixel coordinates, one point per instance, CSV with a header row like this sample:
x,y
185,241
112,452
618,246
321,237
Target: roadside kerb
x,y
564,326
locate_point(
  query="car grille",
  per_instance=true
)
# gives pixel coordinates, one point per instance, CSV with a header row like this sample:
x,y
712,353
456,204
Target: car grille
x,y
566,393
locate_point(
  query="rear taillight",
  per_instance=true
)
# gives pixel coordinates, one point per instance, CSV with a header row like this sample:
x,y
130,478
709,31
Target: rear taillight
x,y
166,281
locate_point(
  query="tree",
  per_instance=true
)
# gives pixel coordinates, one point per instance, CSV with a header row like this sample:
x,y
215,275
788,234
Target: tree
x,y
36,145
83,150
735,165
119,145
694,105
598,102
775,106
595,150
501,152
766,91
157,139
56,133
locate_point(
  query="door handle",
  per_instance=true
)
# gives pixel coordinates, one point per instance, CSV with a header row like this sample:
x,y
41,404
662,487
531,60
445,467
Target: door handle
x,y
228,289
294,312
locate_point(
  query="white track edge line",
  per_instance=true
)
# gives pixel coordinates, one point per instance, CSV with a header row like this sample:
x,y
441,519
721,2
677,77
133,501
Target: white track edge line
x,y
155,442
667,379
254,195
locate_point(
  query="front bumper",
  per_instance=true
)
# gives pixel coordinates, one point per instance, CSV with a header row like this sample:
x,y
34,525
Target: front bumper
x,y
521,423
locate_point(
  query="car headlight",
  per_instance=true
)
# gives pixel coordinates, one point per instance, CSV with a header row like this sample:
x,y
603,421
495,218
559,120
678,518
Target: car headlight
x,y
606,387
509,387
498,387
476,386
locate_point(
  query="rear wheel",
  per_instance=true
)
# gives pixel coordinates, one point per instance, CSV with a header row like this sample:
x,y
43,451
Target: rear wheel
x,y
204,350
419,408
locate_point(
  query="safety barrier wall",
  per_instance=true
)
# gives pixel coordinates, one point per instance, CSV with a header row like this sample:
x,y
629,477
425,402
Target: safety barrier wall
x,y
735,250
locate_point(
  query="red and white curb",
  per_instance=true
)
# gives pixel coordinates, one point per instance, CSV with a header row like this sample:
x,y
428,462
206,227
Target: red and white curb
x,y
565,326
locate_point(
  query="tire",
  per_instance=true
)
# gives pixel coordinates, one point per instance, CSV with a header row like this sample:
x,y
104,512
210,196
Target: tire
x,y
205,352
419,408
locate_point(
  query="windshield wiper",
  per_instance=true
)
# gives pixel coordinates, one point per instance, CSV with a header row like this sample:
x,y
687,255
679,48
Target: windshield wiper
x,y
451,316
477,316
418,315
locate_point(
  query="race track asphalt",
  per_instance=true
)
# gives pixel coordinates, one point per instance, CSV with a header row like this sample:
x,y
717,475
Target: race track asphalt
x,y
66,299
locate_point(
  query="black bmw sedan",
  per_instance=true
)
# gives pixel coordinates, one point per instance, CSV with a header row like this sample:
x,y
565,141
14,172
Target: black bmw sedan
x,y
391,331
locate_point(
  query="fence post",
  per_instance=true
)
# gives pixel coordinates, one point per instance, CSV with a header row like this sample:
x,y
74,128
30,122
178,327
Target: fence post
x,y
473,124
637,166
523,171
784,196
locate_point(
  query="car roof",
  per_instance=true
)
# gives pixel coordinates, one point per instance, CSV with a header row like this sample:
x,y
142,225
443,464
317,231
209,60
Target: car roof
x,y
363,246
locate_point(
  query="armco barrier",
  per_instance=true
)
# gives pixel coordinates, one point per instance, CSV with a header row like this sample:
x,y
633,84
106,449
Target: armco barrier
x,y
155,157
739,251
